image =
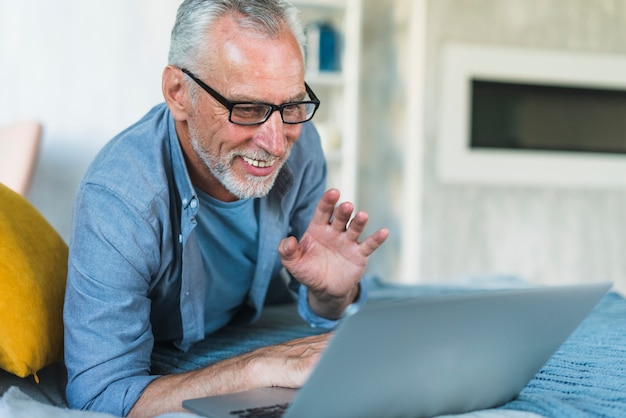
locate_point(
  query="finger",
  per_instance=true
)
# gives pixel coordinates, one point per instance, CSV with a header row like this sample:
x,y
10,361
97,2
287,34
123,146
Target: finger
x,y
325,207
371,243
288,248
357,225
342,216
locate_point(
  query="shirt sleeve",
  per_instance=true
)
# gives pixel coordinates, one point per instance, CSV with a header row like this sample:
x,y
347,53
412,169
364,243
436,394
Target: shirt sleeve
x,y
108,334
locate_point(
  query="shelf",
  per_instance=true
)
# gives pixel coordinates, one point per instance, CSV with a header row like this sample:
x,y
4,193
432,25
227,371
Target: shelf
x,y
338,91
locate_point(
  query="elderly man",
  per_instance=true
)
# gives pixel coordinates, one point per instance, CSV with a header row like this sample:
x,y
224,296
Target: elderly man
x,y
185,218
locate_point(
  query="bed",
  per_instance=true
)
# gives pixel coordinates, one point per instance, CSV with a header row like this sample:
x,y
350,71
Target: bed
x,y
586,377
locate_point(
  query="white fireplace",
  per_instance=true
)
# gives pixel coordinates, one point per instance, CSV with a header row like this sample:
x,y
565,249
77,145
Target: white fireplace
x,y
533,117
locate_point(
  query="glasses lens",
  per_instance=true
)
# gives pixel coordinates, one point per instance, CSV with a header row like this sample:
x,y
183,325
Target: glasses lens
x,y
249,113
295,113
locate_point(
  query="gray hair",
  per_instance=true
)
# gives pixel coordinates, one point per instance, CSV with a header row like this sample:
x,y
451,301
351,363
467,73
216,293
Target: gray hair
x,y
195,17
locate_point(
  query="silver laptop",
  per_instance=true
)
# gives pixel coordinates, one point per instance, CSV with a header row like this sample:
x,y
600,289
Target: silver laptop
x,y
426,357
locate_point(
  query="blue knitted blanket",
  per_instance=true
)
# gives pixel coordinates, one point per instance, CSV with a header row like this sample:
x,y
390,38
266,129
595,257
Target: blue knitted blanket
x,y
586,377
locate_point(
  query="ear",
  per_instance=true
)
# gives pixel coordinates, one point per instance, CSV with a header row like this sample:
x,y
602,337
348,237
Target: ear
x,y
175,92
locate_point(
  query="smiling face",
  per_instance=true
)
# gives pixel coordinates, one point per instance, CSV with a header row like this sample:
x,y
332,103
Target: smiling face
x,y
229,161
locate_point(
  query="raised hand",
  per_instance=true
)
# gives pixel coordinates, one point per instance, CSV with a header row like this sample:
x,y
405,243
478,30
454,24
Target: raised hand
x,y
329,259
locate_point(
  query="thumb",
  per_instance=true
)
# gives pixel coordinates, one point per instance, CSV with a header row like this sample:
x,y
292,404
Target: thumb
x,y
288,249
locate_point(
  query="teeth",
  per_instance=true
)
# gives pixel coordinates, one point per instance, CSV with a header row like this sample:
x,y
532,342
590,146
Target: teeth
x,y
257,163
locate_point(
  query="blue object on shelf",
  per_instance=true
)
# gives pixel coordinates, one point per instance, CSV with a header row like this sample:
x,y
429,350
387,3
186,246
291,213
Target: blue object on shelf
x,y
323,52
328,48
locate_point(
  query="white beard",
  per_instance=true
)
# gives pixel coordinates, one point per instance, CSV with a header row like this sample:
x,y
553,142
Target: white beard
x,y
221,168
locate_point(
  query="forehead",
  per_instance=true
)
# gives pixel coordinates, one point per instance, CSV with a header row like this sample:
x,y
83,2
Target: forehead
x,y
246,62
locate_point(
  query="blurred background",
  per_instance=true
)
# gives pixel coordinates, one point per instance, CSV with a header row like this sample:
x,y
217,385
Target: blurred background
x,y
87,69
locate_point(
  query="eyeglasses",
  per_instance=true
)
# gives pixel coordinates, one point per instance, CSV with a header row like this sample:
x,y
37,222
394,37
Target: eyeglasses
x,y
255,113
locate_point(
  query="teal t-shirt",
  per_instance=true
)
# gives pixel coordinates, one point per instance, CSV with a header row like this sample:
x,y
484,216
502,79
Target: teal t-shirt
x,y
228,235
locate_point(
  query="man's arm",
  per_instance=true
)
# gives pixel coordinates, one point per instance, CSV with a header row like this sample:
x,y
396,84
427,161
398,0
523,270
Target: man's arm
x,y
108,337
286,365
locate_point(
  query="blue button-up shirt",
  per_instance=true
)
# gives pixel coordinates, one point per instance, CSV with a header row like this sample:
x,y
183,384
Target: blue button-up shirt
x,y
135,271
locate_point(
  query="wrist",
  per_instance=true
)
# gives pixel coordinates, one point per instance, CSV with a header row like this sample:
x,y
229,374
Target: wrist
x,y
330,306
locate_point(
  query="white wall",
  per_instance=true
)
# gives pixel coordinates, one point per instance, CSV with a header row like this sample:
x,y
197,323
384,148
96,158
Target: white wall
x,y
85,70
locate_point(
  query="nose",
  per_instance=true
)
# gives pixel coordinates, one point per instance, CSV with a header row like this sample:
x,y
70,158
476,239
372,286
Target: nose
x,y
271,135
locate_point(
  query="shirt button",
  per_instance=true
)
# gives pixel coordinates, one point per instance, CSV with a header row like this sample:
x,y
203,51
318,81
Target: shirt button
x,y
194,203
185,202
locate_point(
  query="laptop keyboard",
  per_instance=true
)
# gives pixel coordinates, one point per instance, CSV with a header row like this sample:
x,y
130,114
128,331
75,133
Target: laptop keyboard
x,y
273,411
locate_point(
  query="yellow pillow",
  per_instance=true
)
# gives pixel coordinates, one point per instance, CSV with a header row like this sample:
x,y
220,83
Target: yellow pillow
x,y
33,267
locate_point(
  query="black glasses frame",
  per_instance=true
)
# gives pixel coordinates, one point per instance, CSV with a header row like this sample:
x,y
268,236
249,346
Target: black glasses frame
x,y
272,107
